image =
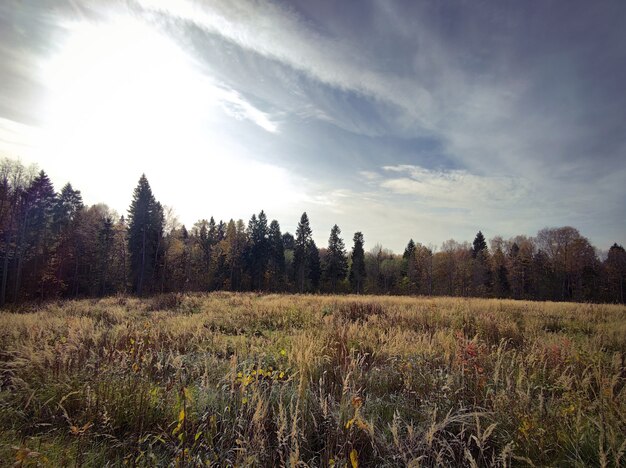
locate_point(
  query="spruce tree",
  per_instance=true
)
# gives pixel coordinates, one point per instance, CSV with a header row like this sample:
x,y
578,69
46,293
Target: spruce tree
x,y
481,273
145,228
315,268
301,259
357,268
288,241
35,236
70,241
409,251
277,256
67,206
409,269
336,260
259,249
479,245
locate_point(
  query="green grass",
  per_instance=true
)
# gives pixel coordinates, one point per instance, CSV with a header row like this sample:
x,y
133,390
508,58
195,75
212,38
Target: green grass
x,y
270,380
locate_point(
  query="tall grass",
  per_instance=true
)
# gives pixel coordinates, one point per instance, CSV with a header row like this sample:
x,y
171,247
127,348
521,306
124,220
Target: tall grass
x,y
270,380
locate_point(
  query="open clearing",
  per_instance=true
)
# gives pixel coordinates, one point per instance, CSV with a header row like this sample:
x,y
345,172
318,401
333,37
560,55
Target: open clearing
x,y
274,380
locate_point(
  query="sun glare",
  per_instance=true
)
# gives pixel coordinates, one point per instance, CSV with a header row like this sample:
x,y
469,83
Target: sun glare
x,y
123,95
123,84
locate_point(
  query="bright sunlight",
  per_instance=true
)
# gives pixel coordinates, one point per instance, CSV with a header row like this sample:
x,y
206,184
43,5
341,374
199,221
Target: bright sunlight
x,y
122,93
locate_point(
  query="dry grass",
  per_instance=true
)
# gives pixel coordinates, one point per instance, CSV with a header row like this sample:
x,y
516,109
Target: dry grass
x,y
243,379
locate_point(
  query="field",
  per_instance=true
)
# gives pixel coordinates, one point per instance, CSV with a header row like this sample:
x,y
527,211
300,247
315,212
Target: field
x,y
274,380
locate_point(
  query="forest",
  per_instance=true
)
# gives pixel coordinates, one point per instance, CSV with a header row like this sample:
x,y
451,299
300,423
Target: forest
x,y
54,246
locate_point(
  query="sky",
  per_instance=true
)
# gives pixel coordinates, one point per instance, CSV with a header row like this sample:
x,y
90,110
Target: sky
x,y
428,120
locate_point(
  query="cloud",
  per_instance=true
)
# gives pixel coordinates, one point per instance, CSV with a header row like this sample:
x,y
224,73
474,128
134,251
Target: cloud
x,y
402,114
280,34
17,139
236,106
454,188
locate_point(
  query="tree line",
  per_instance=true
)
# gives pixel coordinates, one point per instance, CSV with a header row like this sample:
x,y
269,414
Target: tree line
x,y
53,246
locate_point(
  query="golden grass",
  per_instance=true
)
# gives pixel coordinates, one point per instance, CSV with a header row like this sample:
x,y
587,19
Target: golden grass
x,y
275,380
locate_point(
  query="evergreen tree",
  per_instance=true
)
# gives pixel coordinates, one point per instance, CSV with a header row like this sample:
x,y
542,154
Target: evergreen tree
x,y
277,257
336,266
145,228
480,271
68,205
234,249
479,245
616,273
206,239
259,249
220,231
315,268
409,269
357,268
409,251
35,240
301,260
288,241
106,238
232,253
70,243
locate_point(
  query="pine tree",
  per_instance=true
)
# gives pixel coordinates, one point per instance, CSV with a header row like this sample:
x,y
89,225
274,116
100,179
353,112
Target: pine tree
x,y
336,266
357,268
301,260
145,228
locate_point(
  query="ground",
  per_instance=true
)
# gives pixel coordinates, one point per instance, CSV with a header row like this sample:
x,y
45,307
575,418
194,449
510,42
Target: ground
x,y
273,380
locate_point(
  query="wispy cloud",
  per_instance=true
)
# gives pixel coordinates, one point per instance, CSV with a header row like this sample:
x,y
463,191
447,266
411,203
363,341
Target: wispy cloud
x,y
236,106
454,188
279,34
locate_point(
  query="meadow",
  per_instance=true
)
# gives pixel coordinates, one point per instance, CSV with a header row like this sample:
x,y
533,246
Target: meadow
x,y
240,379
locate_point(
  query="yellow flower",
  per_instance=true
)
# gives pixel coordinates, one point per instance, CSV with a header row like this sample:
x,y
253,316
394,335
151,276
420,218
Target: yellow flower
x,y
283,352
